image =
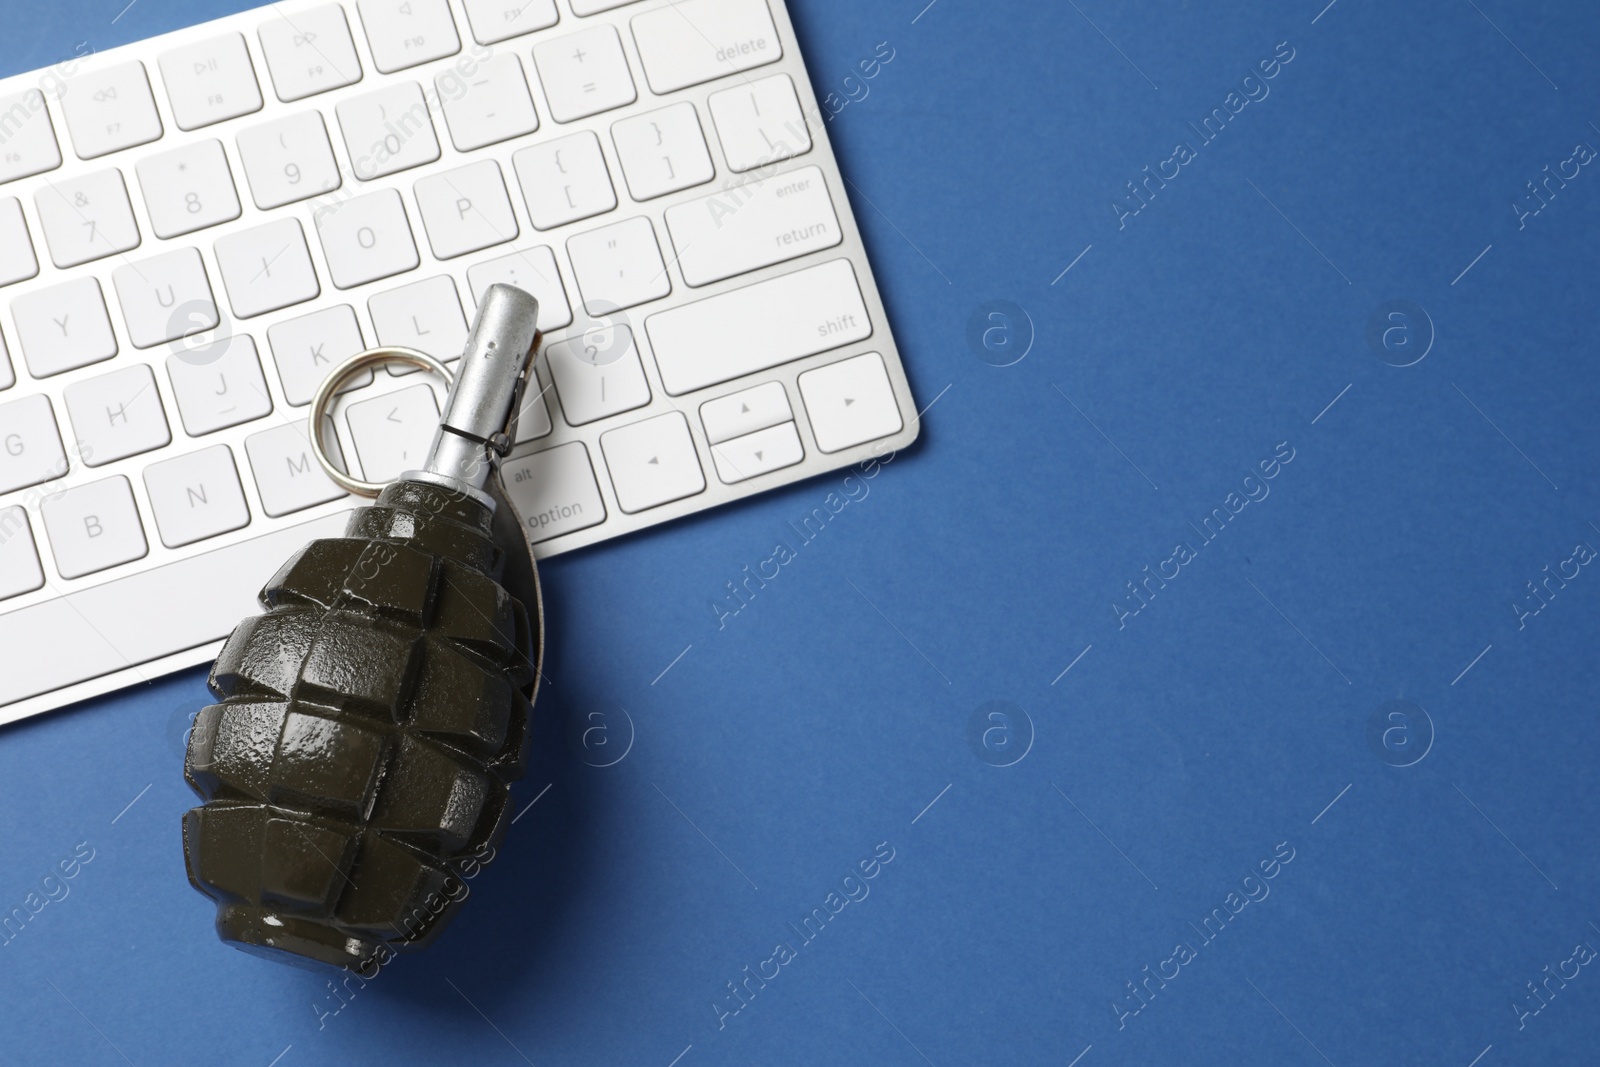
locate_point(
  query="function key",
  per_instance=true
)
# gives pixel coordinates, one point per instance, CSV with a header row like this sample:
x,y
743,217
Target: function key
x,y
494,21
30,145
109,110
309,52
404,33
210,81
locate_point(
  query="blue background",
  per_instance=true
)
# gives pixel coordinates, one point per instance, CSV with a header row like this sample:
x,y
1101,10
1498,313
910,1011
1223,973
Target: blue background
x,y
1184,745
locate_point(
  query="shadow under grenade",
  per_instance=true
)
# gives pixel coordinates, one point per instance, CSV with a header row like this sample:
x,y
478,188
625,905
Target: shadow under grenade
x,y
373,718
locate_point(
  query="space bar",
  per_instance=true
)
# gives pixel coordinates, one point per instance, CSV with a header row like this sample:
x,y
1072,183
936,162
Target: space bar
x,y
133,620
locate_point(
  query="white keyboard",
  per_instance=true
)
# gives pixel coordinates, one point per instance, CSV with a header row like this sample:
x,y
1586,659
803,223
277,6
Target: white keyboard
x,y
194,229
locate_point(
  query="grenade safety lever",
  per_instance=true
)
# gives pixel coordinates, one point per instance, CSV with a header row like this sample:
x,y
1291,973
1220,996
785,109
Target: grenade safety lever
x,y
371,720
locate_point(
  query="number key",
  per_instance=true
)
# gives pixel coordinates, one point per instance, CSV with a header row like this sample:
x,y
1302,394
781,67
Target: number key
x,y
87,218
388,130
288,160
188,189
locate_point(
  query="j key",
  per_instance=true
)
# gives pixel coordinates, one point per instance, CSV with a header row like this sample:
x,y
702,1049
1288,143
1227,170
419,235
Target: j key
x,y
188,189
63,327
367,238
86,218
17,260
598,374
662,151
387,130
30,444
584,73
495,105
533,270
425,315
403,33
466,209
307,348
30,147
288,160
165,297
196,496
210,81
219,384
494,21
266,268
110,109
95,526
392,433
564,180
760,123
309,52
618,266
116,415
286,474
20,571
653,462
693,41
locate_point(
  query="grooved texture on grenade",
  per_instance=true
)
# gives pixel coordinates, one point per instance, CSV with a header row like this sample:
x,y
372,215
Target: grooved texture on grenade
x,y
369,726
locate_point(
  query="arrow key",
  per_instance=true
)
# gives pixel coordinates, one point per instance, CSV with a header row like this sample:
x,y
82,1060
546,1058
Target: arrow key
x,y
850,402
653,462
745,412
758,453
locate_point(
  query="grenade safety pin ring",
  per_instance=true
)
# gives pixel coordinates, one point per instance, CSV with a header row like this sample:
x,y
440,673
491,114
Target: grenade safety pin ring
x,y
331,385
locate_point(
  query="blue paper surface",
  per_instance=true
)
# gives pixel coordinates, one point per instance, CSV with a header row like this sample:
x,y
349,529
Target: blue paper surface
x,y
1078,662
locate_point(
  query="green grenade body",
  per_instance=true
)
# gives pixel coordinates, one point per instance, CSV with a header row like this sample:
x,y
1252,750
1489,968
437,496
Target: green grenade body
x,y
369,726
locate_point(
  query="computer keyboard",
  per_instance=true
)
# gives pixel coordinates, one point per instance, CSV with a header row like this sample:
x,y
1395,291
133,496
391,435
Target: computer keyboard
x,y
194,229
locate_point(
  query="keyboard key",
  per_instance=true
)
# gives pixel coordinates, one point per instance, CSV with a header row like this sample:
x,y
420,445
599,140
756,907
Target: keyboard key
x,y
20,571
17,260
8,376
850,402
564,180
403,33
30,147
219,384
307,348
778,219
760,123
594,7
662,151
758,453
598,374
387,130
424,315
86,218
165,297
116,415
493,21
495,104
534,271
309,52
111,109
367,238
106,627
288,160
693,41
92,527
745,412
63,327
30,444
533,418
196,496
286,473
466,209
266,268
554,491
760,326
392,433
584,73
618,266
188,189
653,462
210,81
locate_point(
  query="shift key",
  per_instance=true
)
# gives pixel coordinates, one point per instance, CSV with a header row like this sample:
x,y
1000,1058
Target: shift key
x,y
757,327
554,491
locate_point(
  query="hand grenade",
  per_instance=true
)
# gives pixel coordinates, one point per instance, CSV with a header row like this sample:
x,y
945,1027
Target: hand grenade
x,y
370,722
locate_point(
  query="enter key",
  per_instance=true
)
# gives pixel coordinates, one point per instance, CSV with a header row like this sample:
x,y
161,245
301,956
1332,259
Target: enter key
x,y
753,225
